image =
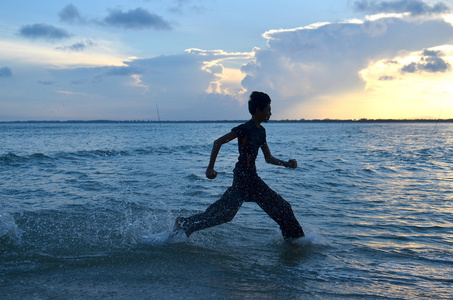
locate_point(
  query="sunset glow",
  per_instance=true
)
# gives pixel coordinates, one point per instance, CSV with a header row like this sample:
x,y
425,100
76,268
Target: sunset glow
x,y
350,60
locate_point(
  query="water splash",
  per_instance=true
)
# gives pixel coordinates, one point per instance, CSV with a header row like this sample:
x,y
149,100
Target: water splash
x,y
9,230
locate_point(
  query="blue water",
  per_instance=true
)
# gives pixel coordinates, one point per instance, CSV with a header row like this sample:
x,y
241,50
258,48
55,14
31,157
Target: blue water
x,y
86,210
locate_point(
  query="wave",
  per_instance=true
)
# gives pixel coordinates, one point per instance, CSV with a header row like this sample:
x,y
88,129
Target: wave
x,y
319,149
9,231
13,158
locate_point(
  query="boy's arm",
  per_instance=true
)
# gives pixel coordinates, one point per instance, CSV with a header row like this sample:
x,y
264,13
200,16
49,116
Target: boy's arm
x,y
210,172
292,163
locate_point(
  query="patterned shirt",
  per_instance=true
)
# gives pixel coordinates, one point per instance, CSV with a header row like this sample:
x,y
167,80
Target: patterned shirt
x,y
250,140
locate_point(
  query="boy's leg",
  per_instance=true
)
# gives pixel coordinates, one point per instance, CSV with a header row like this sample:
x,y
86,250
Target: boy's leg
x,y
280,211
221,211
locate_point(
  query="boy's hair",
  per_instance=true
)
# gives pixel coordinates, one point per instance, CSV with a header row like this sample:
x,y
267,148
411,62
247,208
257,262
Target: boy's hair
x,y
258,100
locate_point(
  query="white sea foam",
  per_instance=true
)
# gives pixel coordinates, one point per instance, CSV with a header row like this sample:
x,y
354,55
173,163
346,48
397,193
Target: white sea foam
x,y
166,237
152,231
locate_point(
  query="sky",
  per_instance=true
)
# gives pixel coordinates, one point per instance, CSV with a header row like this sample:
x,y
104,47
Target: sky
x,y
201,59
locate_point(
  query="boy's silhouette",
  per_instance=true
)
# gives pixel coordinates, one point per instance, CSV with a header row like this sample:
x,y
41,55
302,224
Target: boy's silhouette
x,y
247,185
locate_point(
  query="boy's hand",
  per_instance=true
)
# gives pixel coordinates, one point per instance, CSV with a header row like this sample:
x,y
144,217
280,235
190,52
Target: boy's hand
x,y
211,173
292,164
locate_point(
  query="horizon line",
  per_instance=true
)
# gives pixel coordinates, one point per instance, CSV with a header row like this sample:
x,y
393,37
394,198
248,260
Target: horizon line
x,y
327,120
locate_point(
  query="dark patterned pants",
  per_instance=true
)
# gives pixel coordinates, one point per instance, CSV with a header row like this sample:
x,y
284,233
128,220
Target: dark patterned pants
x,y
248,189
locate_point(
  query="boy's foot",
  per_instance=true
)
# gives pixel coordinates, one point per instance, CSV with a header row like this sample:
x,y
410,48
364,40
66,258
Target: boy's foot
x,y
179,223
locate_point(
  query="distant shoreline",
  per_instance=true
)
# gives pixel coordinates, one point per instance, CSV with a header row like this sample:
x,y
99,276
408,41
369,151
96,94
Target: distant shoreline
x,y
239,121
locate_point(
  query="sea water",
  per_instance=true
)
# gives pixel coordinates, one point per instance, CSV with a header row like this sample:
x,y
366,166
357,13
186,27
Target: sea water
x,y
86,211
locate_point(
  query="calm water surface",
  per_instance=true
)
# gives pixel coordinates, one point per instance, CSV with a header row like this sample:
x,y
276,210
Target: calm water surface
x,y
86,210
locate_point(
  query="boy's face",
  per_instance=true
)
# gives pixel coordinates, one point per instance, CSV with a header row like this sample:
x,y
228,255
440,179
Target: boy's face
x,y
265,114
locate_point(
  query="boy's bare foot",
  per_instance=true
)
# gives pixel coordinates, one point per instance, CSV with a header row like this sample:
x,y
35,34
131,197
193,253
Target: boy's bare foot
x,y
179,223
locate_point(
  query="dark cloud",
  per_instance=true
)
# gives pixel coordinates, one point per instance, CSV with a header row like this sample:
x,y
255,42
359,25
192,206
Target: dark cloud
x,y
77,47
415,7
431,61
5,72
410,68
43,31
138,18
386,78
70,14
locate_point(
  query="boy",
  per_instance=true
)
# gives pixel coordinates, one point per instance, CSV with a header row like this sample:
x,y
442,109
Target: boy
x,y
247,185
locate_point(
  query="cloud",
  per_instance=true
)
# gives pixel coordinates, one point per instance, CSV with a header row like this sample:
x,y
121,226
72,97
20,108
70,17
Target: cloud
x,y
5,72
299,66
430,61
77,47
70,14
138,18
414,7
85,95
124,71
168,75
222,80
386,78
306,64
180,5
29,53
44,31
179,84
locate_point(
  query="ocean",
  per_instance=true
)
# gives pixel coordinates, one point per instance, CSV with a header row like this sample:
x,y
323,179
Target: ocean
x,y
86,211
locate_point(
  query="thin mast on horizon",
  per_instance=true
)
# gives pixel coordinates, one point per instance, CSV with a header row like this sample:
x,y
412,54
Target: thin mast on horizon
x,y
158,116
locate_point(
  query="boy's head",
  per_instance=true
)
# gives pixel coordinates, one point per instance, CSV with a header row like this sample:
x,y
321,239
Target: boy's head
x,y
258,100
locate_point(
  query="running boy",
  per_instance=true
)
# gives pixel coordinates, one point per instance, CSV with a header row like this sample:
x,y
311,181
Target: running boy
x,y
247,185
